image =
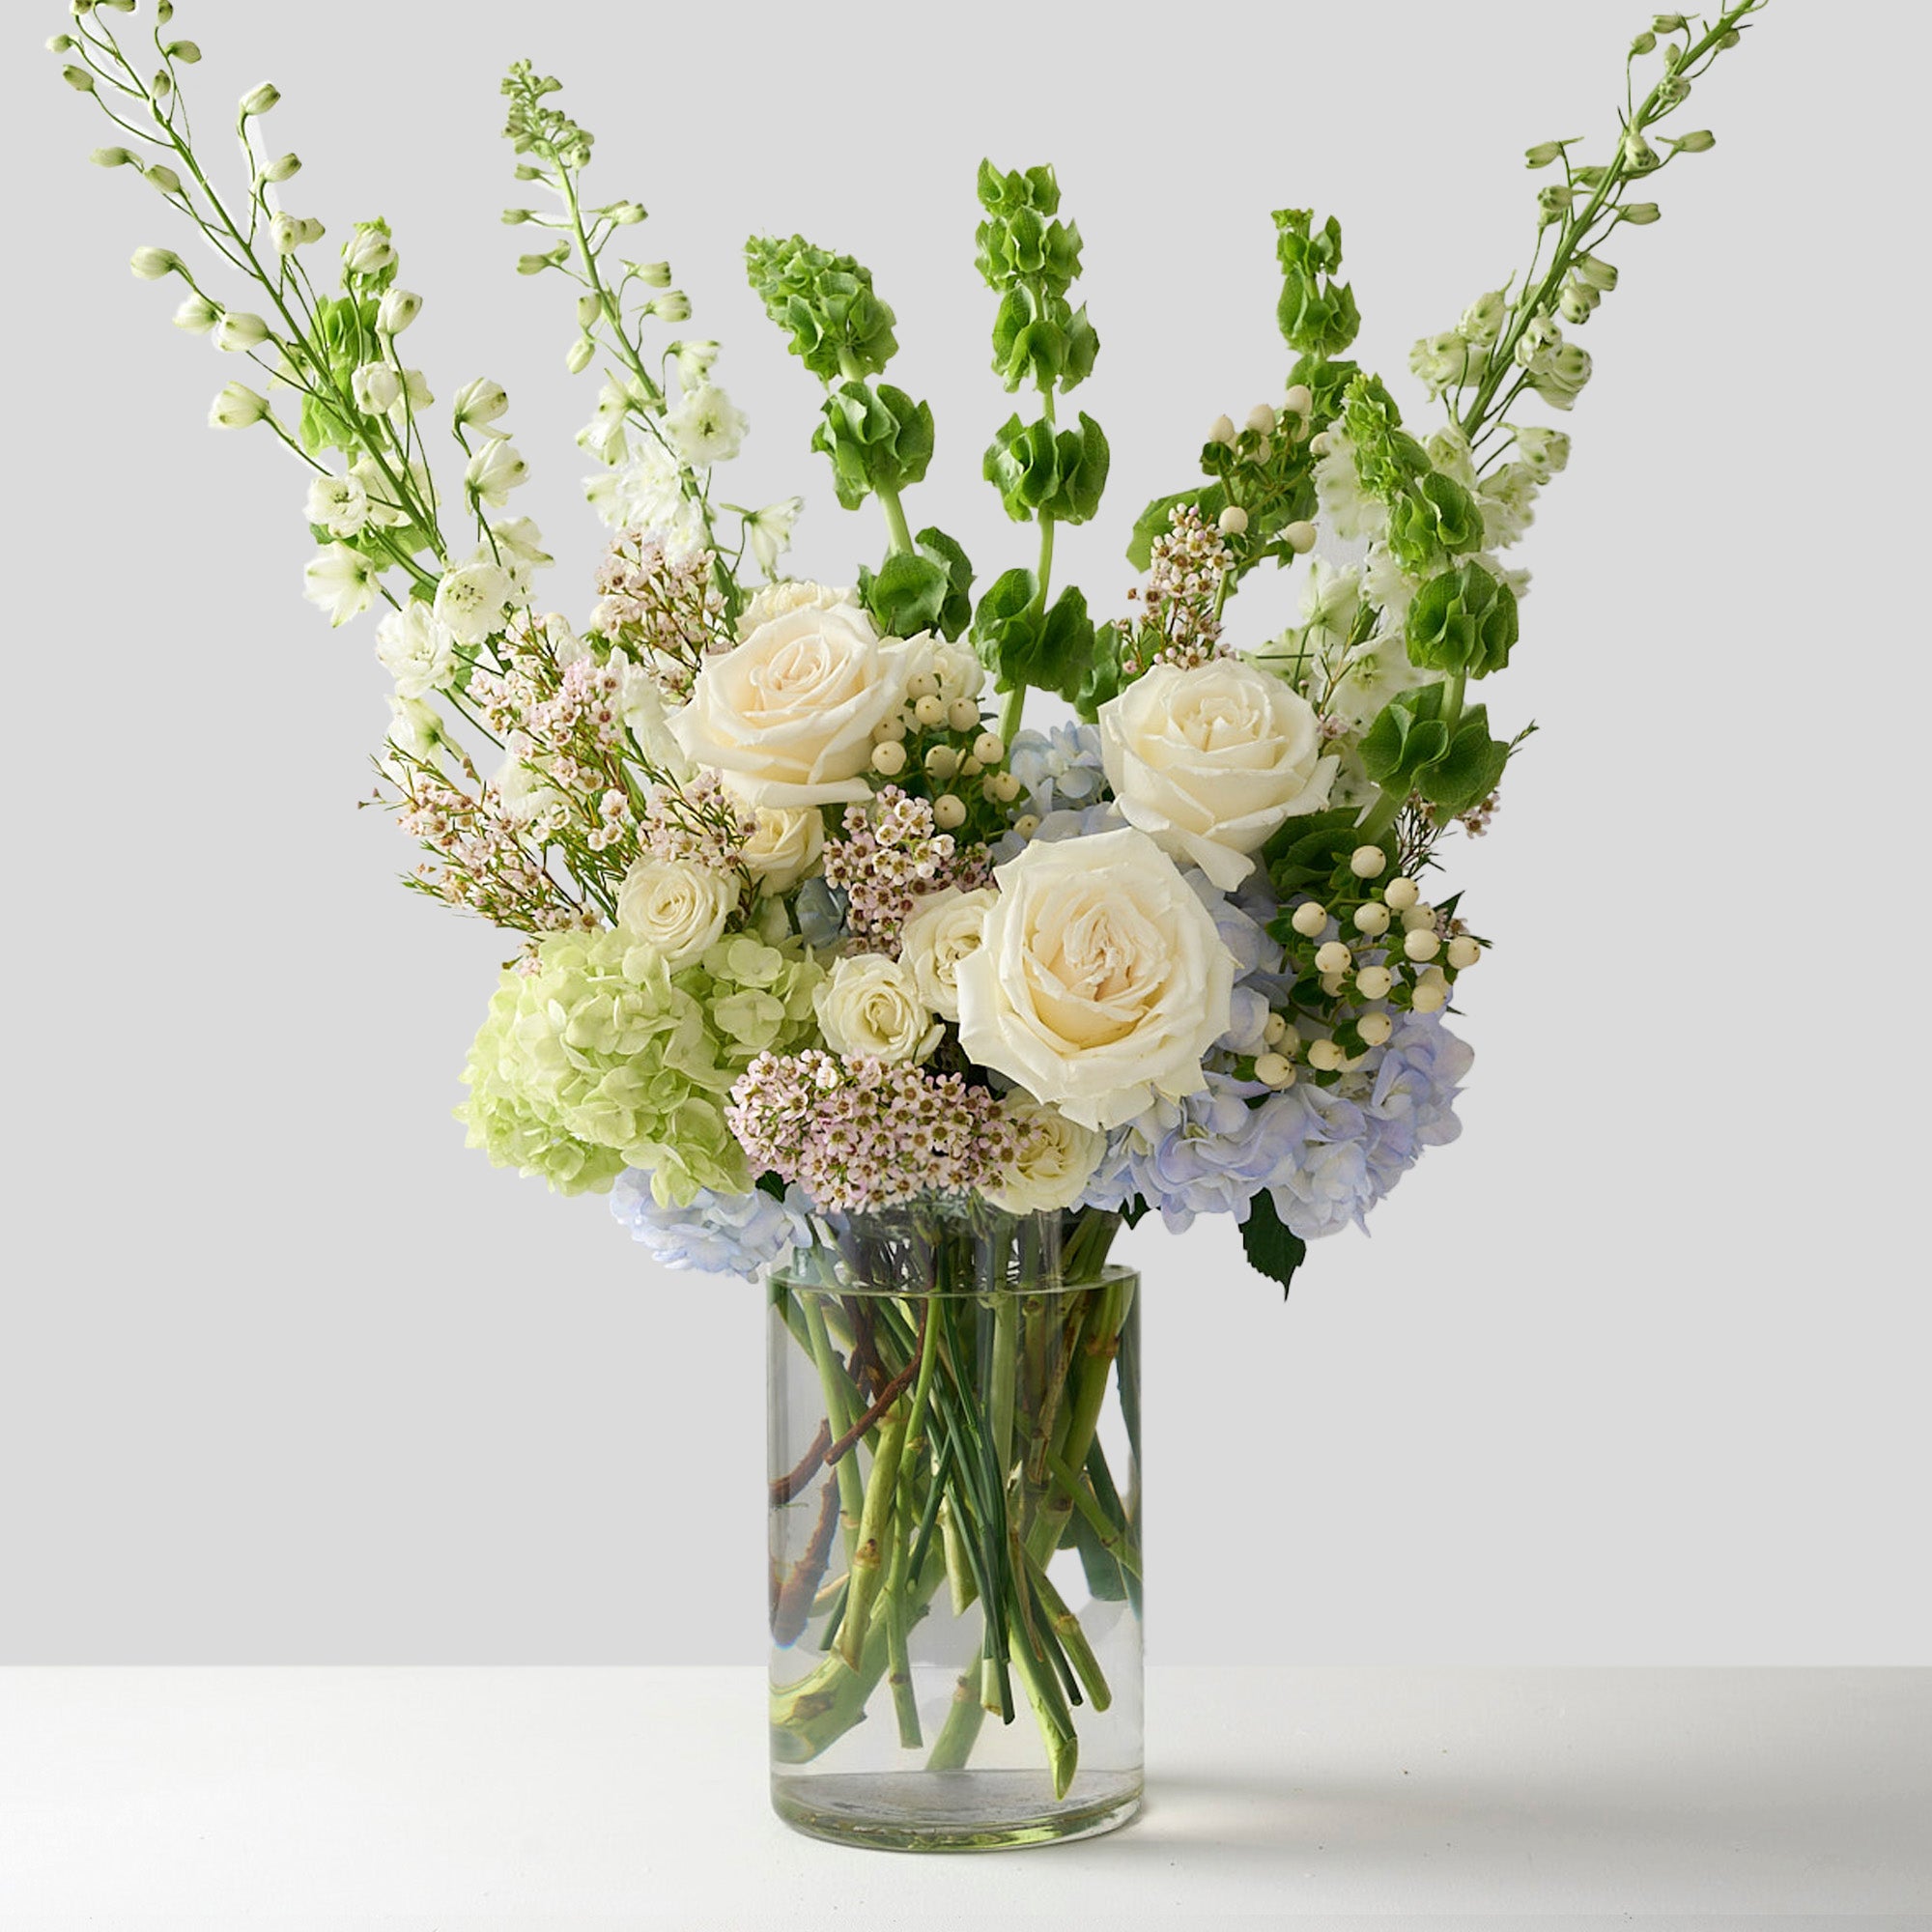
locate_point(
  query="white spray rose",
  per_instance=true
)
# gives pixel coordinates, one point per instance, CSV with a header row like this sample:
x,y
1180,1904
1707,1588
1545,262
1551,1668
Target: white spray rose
x,y
785,846
1210,762
787,717
954,665
869,1006
780,599
945,929
471,599
1056,1160
415,648
675,907
1100,980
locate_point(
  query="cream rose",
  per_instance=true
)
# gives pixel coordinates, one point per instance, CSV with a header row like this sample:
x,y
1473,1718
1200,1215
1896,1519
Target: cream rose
x,y
675,907
869,1006
1056,1160
942,931
787,717
784,845
1100,982
780,599
1210,762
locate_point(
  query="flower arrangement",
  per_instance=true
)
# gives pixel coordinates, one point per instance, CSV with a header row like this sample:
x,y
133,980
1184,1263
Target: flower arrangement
x,y
815,932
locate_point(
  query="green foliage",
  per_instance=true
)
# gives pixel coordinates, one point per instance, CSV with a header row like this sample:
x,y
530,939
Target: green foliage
x,y
1208,498
928,588
874,438
1462,620
343,340
1270,1248
1316,314
1305,855
839,325
1432,517
1418,743
1030,260
1022,643
1040,470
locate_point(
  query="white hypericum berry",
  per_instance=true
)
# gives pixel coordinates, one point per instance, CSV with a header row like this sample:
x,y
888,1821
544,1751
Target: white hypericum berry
x,y
1272,1069
1366,861
1331,986
949,812
888,728
1374,1029
962,714
1027,824
989,748
1004,786
1429,997
1221,430
1371,918
889,758
1233,522
1300,400
930,710
1421,944
1417,917
1324,1056
942,762
1334,958
1373,982
1299,538
1275,1031
1309,919
1402,893
1464,953
1262,419
921,684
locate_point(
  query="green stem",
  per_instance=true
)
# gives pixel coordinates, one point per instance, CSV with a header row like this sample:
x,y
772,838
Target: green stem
x,y
838,1415
896,519
960,1731
868,1556
1073,1487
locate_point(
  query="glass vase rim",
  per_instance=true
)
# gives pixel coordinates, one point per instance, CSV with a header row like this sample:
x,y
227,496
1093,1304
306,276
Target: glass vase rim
x,y
1112,1275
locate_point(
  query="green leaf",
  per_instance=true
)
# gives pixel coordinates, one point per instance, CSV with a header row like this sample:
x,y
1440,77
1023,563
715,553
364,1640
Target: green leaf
x,y
1051,650
1305,854
1411,747
1210,499
907,595
1316,314
1462,620
839,327
1271,1250
956,612
1040,470
873,436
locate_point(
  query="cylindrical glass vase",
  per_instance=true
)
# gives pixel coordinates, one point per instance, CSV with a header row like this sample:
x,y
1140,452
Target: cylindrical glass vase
x,y
955,1536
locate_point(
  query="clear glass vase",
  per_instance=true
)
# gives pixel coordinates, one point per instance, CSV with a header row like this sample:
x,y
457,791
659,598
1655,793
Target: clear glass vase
x,y
955,1537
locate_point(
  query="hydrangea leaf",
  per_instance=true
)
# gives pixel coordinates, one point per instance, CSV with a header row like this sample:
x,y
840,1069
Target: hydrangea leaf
x,y
1270,1248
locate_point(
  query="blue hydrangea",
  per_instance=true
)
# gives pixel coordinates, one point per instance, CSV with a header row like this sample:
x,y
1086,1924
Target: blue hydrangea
x,y
1059,770
718,1234
1325,1154
1057,824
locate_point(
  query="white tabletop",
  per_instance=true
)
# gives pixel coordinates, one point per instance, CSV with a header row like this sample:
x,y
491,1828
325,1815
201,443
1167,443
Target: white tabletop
x,y
461,1799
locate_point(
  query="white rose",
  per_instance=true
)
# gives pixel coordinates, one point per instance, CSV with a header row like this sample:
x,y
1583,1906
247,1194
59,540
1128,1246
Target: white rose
x,y
954,667
869,1006
1210,762
787,717
780,599
943,931
675,907
1056,1160
784,845
1100,980
415,648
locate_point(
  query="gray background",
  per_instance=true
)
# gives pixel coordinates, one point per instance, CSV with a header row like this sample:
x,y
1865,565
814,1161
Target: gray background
x,y
1632,1374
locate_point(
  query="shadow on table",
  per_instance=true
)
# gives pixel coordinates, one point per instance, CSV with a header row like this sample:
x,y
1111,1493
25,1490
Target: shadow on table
x,y
1606,1836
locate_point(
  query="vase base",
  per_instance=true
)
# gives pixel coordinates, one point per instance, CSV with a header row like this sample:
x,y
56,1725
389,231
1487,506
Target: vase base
x,y
954,1810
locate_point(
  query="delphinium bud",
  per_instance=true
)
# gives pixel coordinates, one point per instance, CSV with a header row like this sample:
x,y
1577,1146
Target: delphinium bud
x,y
197,315
1221,430
239,331
237,408
1262,419
151,264
260,99
397,310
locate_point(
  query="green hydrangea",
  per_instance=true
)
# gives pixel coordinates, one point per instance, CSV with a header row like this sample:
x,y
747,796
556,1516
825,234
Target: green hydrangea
x,y
600,1058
